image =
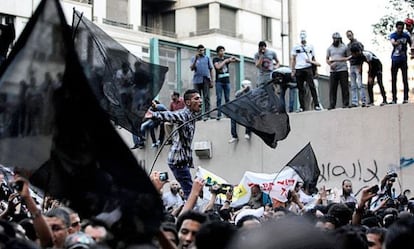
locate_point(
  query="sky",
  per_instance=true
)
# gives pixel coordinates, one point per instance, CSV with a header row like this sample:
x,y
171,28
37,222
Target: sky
x,y
321,18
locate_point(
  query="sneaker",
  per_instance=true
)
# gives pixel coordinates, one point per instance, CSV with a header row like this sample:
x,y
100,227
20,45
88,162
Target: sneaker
x,y
353,105
383,103
318,108
154,145
247,136
405,101
299,110
364,105
233,140
393,102
136,146
218,118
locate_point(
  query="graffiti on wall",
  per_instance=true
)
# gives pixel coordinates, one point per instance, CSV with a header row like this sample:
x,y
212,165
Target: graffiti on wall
x,y
357,172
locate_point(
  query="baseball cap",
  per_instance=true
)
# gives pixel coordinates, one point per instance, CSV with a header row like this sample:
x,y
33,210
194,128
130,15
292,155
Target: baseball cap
x,y
336,35
409,21
79,240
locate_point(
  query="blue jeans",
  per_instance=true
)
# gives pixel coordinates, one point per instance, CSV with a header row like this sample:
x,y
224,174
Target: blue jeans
x,y
222,88
394,70
292,96
183,176
356,85
233,129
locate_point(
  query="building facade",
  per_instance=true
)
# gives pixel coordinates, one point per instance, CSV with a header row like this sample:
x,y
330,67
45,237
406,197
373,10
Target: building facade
x,y
167,31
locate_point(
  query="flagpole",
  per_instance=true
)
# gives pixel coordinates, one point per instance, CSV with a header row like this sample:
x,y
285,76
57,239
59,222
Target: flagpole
x,y
77,25
172,133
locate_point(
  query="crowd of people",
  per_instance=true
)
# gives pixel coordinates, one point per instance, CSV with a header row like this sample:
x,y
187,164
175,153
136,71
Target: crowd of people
x,y
376,218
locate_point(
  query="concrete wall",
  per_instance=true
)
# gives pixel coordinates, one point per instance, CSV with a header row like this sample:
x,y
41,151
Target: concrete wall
x,y
360,144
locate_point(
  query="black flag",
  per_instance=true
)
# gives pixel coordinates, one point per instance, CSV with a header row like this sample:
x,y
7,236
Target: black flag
x,y
123,84
306,165
262,111
53,127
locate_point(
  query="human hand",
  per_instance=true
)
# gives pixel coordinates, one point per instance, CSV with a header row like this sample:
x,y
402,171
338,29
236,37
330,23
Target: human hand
x,y
148,115
198,185
21,186
155,179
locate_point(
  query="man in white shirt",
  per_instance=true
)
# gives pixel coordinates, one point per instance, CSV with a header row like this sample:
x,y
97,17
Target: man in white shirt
x,y
302,60
173,199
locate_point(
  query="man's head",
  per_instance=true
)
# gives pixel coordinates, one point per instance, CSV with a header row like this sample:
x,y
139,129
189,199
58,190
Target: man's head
x,y
188,224
262,46
255,190
220,51
355,50
174,187
192,100
336,39
399,26
302,36
201,49
175,96
58,220
409,24
350,35
346,187
375,237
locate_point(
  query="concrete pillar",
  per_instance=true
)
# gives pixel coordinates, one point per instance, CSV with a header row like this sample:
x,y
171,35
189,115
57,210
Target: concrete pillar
x,y
99,11
214,15
134,13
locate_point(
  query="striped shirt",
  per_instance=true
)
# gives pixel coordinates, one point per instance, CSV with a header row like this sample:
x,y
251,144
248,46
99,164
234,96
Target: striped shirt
x,y
180,154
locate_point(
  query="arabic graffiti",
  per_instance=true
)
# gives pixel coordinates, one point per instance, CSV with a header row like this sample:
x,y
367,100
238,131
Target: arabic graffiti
x,y
356,172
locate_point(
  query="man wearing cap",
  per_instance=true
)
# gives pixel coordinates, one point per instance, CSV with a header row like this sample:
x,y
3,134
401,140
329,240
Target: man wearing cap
x,y
336,58
409,26
301,63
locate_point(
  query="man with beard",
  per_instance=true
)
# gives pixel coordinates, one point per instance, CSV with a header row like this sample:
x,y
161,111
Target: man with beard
x,y
336,58
172,199
347,195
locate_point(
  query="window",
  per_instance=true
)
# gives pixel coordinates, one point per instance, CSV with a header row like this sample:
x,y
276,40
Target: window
x,y
266,28
117,11
168,21
202,19
228,20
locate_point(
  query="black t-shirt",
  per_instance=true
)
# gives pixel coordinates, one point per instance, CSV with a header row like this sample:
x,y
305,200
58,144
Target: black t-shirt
x,y
222,74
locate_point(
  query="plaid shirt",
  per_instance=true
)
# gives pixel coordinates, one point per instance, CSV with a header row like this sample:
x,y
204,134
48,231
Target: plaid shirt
x,y
180,154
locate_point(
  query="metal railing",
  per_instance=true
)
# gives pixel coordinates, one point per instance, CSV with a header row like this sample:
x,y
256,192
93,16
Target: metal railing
x,y
116,23
216,31
162,32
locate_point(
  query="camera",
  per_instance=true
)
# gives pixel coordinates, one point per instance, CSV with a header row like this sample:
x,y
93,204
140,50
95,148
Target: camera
x,y
18,186
392,174
374,189
163,176
222,189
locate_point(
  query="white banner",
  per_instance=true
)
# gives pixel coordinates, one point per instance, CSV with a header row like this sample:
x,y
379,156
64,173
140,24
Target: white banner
x,y
276,185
